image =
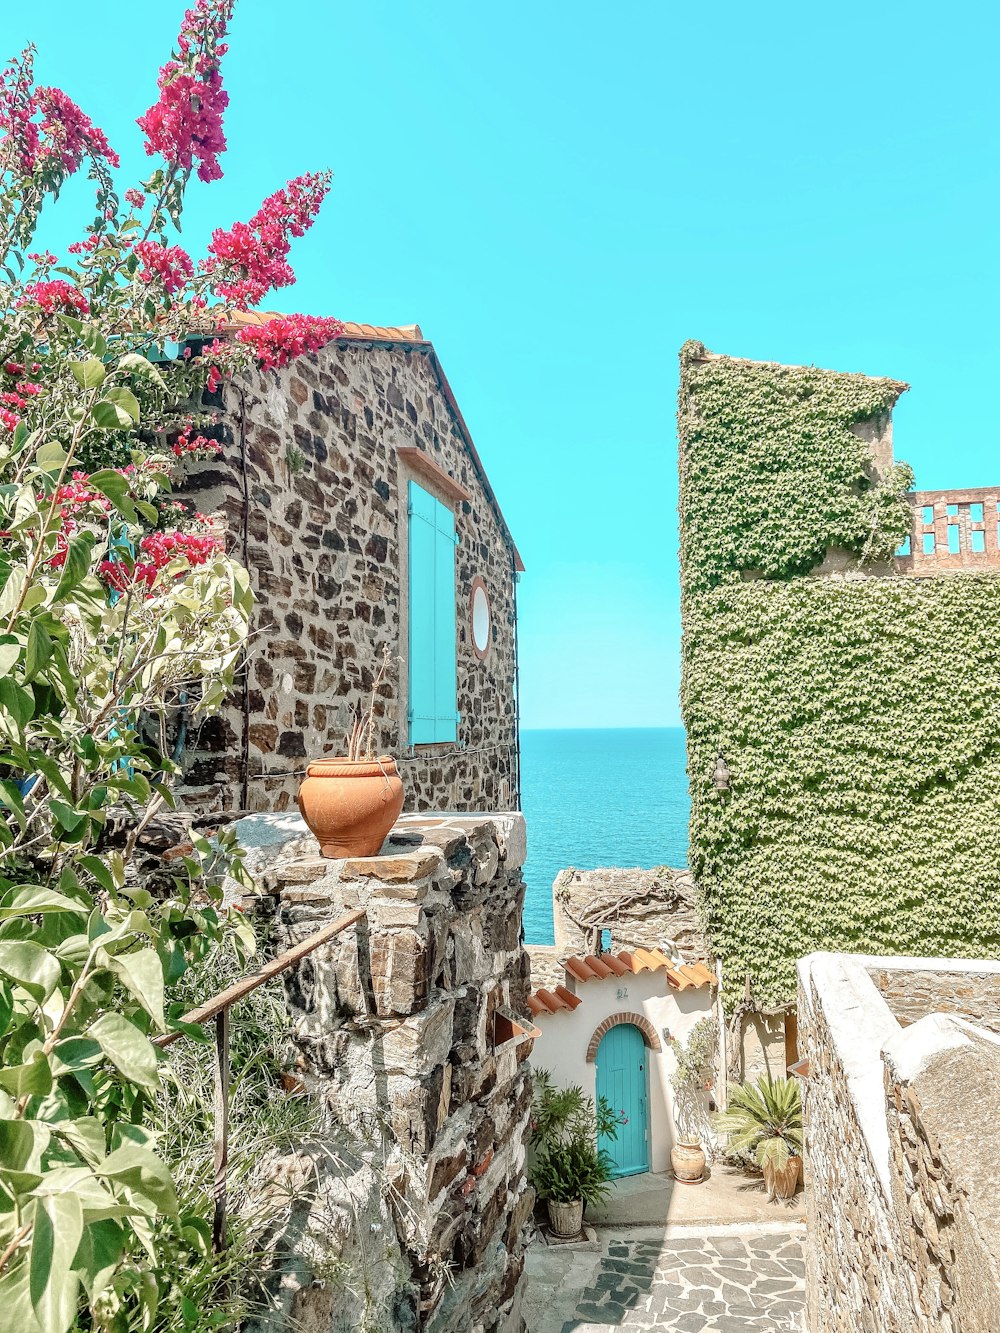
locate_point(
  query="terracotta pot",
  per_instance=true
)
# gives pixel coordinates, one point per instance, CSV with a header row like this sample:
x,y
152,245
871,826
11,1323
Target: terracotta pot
x,y
688,1161
566,1219
782,1184
350,805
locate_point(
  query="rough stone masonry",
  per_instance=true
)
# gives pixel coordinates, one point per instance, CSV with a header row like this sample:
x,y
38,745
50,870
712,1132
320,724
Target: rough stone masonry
x,y
310,492
407,1028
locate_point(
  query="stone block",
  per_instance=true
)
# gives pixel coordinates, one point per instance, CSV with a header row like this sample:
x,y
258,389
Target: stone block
x,y
393,869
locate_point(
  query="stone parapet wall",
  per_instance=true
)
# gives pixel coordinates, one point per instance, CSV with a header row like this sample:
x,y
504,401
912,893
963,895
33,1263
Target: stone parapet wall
x,y
904,1210
935,987
310,491
406,1028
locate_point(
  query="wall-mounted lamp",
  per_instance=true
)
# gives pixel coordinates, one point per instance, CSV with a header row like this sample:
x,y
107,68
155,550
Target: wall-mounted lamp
x,y
720,776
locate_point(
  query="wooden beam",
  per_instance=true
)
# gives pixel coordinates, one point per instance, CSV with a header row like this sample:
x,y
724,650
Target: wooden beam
x,y
272,969
421,462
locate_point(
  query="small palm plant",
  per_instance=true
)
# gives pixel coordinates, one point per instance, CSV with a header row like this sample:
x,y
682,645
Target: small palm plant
x,y
765,1119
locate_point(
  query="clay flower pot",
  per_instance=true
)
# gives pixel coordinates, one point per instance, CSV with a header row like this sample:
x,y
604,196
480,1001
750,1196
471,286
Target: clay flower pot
x,y
350,805
566,1219
782,1183
688,1161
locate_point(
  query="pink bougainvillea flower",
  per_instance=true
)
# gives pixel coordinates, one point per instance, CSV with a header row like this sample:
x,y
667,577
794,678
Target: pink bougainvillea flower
x,y
249,259
185,123
168,265
44,127
21,136
194,446
68,133
54,296
135,197
285,337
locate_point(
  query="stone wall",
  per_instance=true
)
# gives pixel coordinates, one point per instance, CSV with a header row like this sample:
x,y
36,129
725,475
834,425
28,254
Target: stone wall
x,y
936,987
637,908
952,531
311,490
904,1210
403,1026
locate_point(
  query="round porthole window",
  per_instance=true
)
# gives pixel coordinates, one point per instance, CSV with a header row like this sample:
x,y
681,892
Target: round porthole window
x,y
480,617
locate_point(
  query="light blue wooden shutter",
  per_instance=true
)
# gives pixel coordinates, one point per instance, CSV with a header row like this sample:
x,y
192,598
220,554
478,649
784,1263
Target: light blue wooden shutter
x,y
433,711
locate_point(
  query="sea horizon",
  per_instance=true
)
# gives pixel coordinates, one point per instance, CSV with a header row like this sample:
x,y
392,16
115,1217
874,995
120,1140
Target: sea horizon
x,y
579,789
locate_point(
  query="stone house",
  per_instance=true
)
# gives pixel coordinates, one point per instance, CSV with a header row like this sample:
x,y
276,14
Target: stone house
x,y
351,489
610,1027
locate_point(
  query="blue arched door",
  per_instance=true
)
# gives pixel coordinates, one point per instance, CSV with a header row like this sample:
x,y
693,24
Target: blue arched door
x,y
622,1079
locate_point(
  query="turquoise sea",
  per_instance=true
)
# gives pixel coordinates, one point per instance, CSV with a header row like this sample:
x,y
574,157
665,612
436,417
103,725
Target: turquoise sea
x,y
599,798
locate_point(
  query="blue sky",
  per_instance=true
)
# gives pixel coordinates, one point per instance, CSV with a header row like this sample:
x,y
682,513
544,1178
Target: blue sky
x,y
561,194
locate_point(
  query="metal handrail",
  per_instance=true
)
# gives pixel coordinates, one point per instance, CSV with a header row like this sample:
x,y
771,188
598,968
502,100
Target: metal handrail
x,y
218,1008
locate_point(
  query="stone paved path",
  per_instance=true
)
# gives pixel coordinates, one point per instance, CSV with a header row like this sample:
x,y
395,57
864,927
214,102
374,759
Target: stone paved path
x,y
726,1280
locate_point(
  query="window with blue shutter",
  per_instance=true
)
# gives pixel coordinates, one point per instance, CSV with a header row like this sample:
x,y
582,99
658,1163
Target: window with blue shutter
x,y
433,711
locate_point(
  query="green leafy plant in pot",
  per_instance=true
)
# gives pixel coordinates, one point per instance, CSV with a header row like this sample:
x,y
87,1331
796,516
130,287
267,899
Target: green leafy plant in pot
x,y
765,1120
569,1170
692,1079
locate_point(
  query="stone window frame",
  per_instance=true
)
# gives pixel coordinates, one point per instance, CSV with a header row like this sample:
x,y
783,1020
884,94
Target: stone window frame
x,y
640,1021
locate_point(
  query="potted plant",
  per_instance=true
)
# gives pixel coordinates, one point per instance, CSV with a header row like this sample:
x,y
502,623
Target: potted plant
x,y
569,1169
692,1079
351,802
765,1119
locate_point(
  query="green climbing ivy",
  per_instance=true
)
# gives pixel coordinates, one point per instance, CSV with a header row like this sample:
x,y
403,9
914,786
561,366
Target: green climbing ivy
x,y
859,717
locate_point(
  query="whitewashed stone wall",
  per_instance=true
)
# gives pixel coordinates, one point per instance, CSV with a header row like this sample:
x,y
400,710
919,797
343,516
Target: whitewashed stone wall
x,y
401,1028
904,1210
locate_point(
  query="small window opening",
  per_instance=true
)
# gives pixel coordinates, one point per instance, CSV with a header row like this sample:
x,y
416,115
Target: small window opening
x,y
605,941
954,545
952,511
928,543
904,546
978,540
928,515
976,512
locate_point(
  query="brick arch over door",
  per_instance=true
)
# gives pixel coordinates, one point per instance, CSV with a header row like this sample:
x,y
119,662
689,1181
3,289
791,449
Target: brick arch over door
x,y
637,1020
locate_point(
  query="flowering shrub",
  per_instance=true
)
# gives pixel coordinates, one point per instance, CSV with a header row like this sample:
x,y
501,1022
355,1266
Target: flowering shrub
x,y
115,600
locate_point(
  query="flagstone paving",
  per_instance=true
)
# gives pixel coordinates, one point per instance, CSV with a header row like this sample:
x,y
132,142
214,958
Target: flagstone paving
x,y
723,1280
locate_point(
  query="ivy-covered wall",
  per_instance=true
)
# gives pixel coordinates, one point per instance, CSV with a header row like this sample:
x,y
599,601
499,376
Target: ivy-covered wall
x,y
859,715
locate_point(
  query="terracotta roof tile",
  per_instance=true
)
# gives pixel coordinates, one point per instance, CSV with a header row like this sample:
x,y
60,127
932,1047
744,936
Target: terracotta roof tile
x,y
597,967
548,1002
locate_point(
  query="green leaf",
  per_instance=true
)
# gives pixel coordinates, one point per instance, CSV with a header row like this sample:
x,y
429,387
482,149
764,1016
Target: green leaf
x,y
27,899
33,968
142,973
89,374
115,487
109,416
77,565
144,1174
9,653
96,867
72,1054
126,400
38,653
54,1238
17,701
88,335
100,1251
66,816
32,1079
51,456
127,1048
138,365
